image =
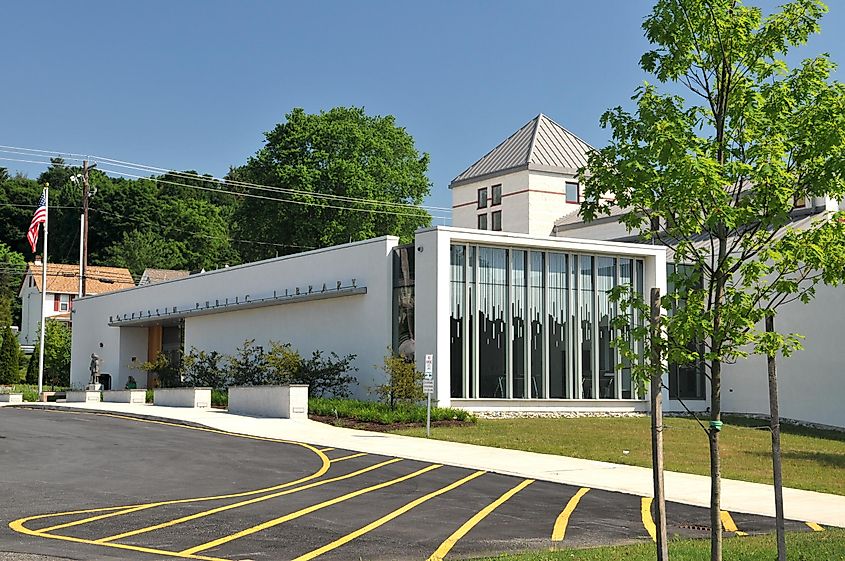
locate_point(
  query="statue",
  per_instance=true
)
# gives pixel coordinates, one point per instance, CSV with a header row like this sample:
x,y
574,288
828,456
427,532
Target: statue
x,y
95,368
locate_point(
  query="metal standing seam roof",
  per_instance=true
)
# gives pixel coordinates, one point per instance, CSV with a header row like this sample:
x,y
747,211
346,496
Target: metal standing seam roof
x,y
540,142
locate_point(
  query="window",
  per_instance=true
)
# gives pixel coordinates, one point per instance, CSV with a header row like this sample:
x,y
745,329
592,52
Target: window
x,y
572,193
497,196
482,198
497,221
482,221
61,302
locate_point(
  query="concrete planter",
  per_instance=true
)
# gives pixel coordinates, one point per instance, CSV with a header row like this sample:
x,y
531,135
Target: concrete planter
x,y
83,396
182,397
11,398
286,402
125,396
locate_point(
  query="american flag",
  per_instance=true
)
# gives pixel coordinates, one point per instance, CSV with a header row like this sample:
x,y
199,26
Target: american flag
x,y
40,217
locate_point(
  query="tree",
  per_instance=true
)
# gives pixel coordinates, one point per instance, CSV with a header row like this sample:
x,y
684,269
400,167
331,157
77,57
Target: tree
x,y
12,270
138,250
320,163
57,343
9,368
719,174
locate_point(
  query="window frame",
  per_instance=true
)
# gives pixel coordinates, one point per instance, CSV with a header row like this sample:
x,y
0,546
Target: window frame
x,y
482,197
482,218
577,192
494,200
493,216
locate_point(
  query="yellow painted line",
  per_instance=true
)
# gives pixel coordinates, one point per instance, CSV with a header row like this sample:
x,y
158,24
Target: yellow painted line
x,y
559,530
349,457
386,518
18,526
327,449
224,508
729,525
648,521
814,526
450,542
304,511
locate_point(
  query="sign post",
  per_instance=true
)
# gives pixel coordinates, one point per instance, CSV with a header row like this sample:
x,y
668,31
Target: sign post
x,y
428,388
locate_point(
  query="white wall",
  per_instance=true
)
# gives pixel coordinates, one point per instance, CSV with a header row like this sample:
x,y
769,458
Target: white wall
x,y
548,201
359,324
812,381
514,207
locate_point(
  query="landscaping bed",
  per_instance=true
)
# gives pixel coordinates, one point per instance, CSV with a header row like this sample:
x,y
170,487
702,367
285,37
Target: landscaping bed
x,y
376,416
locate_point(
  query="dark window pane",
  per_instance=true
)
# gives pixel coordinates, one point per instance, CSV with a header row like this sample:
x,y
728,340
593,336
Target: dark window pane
x,y
558,315
497,195
587,312
492,302
518,307
572,194
497,221
482,197
536,315
457,342
482,221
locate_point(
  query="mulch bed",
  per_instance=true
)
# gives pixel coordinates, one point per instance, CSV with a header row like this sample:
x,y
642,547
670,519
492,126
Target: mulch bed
x,y
379,427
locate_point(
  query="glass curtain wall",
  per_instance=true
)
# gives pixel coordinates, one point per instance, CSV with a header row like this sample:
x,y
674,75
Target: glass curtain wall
x,y
529,324
558,324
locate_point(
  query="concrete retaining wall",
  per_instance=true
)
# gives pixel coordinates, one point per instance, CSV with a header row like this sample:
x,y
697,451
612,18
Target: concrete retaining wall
x,y
286,402
125,396
83,396
11,398
182,397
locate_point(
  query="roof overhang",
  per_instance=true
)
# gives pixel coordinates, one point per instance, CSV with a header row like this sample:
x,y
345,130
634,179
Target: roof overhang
x,y
524,167
171,314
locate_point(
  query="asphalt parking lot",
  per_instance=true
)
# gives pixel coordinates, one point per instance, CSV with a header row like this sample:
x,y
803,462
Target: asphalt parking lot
x,y
83,486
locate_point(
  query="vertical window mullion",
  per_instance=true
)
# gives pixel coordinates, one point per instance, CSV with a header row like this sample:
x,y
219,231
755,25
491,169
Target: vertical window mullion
x,y
509,327
544,321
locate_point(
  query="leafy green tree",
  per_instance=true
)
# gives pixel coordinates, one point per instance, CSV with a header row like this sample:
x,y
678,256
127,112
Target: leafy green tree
x,y
9,368
716,174
139,250
404,382
342,153
57,343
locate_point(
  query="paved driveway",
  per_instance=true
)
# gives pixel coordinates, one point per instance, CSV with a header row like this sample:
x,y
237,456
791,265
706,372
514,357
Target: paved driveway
x,y
86,486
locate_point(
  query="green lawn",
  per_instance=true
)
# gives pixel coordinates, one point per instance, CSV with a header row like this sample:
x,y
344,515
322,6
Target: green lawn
x,y
812,459
806,546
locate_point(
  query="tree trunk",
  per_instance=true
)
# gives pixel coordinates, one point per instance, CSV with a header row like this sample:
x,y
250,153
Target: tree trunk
x,y
657,431
777,471
715,465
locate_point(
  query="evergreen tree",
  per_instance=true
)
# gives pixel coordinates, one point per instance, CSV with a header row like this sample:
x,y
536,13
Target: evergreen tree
x,y
9,373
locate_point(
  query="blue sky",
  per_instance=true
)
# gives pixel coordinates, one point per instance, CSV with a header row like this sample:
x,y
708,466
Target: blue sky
x,y
194,84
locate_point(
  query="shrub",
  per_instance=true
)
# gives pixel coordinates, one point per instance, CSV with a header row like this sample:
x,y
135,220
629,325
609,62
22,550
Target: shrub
x,y
168,374
56,356
324,375
404,382
375,412
249,366
219,398
202,369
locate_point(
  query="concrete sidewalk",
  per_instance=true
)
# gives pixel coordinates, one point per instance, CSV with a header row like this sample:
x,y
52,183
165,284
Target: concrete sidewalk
x,y
737,496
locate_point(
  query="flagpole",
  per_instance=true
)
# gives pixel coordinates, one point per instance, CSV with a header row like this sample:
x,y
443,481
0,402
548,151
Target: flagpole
x,y
43,293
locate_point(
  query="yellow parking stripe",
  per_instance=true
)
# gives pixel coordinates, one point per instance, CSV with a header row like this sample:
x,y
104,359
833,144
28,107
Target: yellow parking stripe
x,y
94,518
18,526
243,503
450,542
307,510
349,457
814,526
328,449
729,525
386,518
559,530
648,521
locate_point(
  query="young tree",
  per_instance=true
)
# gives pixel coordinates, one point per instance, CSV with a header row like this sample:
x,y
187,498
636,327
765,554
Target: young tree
x,y
719,172
341,154
9,368
57,344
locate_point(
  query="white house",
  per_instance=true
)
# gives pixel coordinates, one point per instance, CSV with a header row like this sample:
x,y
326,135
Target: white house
x,y
62,289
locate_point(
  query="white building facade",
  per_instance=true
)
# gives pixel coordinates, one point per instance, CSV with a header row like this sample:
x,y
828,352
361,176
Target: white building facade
x,y
513,321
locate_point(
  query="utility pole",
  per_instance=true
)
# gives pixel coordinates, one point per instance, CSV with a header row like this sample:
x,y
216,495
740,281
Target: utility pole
x,y
86,194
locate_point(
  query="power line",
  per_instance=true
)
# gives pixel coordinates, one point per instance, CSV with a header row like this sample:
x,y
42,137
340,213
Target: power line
x,y
239,194
257,186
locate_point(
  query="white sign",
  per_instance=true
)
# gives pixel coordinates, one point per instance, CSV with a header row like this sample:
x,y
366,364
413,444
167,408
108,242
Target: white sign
x,y
429,364
428,385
